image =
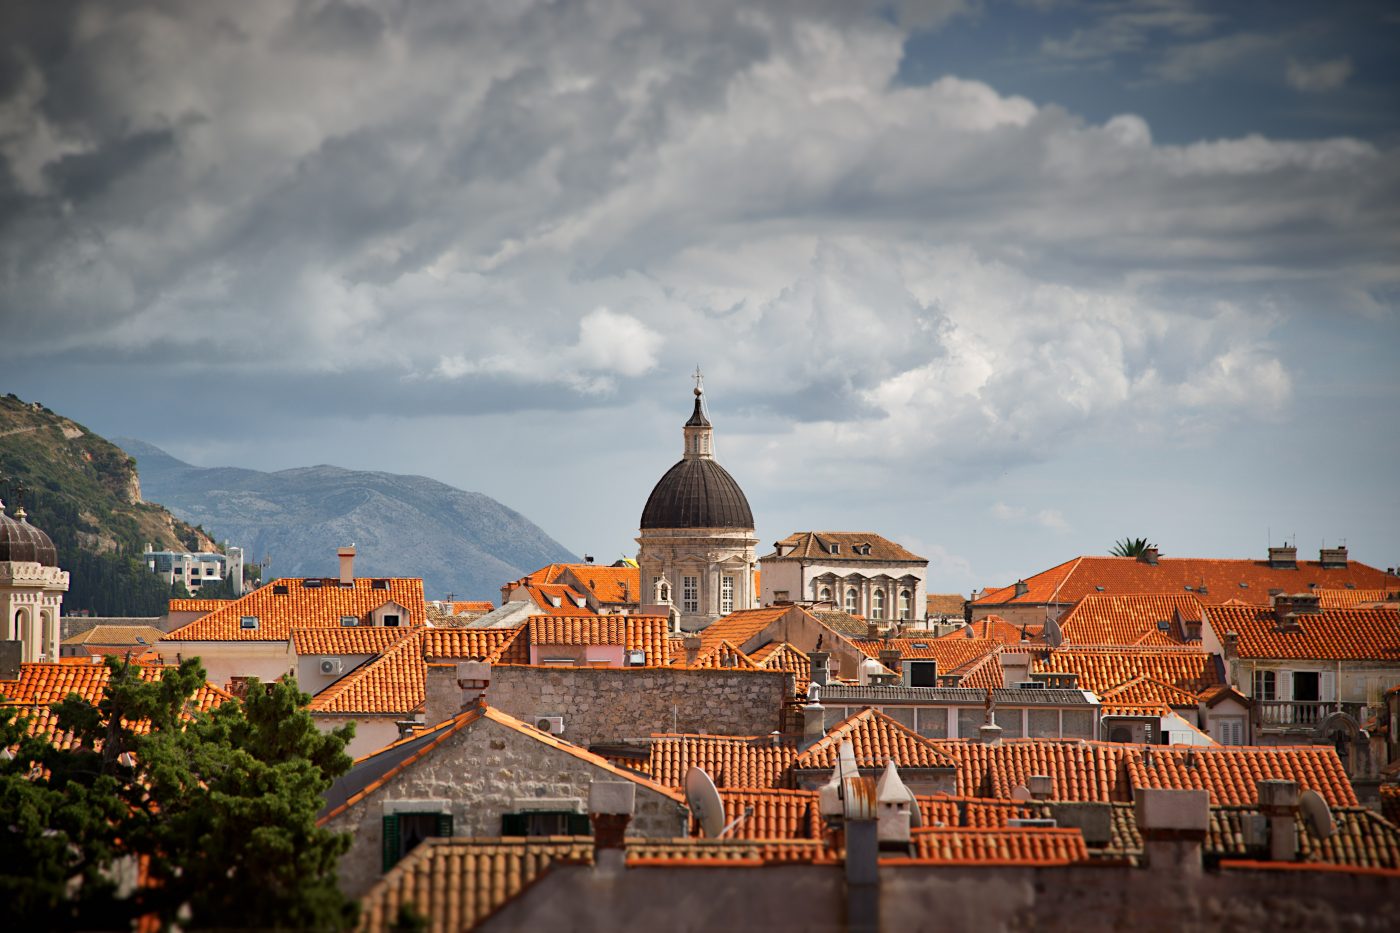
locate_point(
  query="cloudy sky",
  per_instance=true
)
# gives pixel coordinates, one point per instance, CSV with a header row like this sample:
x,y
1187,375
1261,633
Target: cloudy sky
x,y
1002,281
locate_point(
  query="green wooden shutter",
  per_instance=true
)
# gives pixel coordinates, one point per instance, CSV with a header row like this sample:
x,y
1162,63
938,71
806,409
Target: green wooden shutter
x,y
391,840
578,825
515,824
444,825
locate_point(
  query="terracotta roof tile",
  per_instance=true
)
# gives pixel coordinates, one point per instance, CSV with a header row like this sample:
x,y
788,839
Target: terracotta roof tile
x,y
545,594
633,632
998,629
782,656
392,683
809,545
758,762
723,655
1144,691
1231,772
1102,619
196,605
1363,838
283,605
356,639
1071,581
1351,599
945,604
1332,634
1023,845
116,635
982,813
876,739
612,585
777,814
493,645
1102,669
1079,771
976,660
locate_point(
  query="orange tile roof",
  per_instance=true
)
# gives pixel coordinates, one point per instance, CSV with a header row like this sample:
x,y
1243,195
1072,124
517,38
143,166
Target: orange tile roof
x,y
1018,845
1333,634
998,629
494,645
782,656
1362,838
633,632
356,639
976,660
948,810
614,585
196,605
723,655
739,627
876,739
1079,771
1102,619
544,594
1350,599
816,545
1071,581
303,607
1231,772
472,605
116,635
777,813
945,604
730,761
1144,691
1102,669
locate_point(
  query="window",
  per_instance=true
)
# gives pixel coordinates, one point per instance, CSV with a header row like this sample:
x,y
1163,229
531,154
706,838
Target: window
x,y
1044,723
545,823
824,594
248,622
1077,723
1229,731
851,599
391,620
690,594
904,715
1010,722
403,832
933,723
906,600
726,595
922,673
970,721
349,621
835,548
877,604
833,716
781,596
1265,685
179,570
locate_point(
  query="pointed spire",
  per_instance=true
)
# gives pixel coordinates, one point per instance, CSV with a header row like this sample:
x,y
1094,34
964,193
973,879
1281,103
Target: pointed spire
x,y
699,435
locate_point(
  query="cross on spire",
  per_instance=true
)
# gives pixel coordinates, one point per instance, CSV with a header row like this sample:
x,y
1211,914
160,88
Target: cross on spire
x,y
699,382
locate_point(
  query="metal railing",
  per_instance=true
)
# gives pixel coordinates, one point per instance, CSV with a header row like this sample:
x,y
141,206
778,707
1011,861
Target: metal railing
x,y
1302,714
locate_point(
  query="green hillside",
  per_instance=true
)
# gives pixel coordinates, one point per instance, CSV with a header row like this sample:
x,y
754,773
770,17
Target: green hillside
x,y
84,492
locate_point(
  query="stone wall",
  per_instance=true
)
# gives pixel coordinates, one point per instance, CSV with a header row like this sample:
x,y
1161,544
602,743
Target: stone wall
x,y
608,704
480,773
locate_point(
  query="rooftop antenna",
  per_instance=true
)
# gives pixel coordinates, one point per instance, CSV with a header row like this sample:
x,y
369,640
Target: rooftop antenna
x,y
748,812
705,802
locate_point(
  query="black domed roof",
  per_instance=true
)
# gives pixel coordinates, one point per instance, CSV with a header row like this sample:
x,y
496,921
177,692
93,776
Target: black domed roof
x,y
697,493
21,541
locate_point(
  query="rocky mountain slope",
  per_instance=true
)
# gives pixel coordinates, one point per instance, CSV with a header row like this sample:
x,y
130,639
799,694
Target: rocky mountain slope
x,y
459,542
85,493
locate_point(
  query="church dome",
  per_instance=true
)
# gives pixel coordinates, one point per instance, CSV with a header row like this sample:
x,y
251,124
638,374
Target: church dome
x,y
21,541
697,493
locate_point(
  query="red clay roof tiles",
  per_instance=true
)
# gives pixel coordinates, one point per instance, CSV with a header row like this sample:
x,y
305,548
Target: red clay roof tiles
x,y
1102,669
285,604
1019,845
1333,634
1102,619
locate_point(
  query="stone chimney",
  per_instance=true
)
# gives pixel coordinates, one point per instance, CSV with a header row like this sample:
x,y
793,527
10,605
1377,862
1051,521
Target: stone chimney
x,y
890,658
610,810
1149,555
1041,786
1278,801
872,630
1173,825
1283,558
1288,607
813,723
821,667
347,565
1230,644
862,855
691,643
1333,558
1022,588
893,802
449,689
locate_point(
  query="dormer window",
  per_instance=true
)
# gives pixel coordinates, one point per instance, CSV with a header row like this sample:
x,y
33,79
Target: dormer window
x,y
248,622
835,548
391,621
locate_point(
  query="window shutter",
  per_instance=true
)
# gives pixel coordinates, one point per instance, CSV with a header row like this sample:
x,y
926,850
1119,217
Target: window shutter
x,y
515,824
1327,687
1285,685
578,825
444,825
391,840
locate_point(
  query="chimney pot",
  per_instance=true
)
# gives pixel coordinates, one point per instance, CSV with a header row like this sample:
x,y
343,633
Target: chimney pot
x,y
1022,588
813,724
347,565
1041,786
692,644
610,806
821,670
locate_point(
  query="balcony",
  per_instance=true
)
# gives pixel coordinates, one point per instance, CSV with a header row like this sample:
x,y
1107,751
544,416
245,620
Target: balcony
x,y
1302,715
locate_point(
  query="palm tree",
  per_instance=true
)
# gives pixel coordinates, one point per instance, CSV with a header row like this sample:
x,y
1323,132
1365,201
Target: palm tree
x,y
1130,547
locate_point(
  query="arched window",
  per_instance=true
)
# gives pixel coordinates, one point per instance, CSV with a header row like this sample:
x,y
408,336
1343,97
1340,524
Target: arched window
x,y
906,600
665,593
825,594
851,595
877,604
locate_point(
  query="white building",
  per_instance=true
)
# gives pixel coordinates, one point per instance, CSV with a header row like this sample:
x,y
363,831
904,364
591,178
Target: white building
x,y
31,588
856,571
697,538
196,568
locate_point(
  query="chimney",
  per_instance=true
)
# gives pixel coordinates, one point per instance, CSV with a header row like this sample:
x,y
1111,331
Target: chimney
x,y
1231,645
872,630
1149,555
347,565
1333,558
1022,588
862,855
893,802
821,670
1283,558
990,733
610,810
813,723
451,688
1173,825
1015,666
1278,800
1288,607
1041,786
890,658
691,643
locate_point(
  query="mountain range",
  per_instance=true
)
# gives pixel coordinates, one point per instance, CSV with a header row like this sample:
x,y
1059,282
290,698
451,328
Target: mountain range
x,y
461,543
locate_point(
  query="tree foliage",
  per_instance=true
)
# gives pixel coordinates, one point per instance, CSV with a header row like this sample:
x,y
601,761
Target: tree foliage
x,y
218,810
1130,547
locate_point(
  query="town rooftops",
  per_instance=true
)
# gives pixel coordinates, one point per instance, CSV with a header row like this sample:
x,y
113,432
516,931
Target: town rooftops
x,y
196,605
895,694
116,635
1111,619
282,605
825,546
1328,635
1212,581
1101,669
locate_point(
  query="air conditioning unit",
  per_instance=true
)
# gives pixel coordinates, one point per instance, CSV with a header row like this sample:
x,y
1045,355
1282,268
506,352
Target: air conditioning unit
x,y
636,657
554,725
332,666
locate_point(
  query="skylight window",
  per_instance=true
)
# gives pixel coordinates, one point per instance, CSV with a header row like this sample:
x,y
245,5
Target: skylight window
x,y
349,621
249,622
314,584
279,589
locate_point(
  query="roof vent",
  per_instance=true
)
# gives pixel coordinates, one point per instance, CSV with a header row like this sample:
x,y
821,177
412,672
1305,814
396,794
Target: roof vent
x,y
349,621
248,622
279,589
312,584
1030,685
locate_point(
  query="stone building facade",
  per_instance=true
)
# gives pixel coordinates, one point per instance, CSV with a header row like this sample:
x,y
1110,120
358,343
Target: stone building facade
x,y
31,588
697,542
858,572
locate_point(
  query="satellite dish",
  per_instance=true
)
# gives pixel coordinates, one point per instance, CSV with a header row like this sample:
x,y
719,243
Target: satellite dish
x,y
1317,814
916,816
846,762
704,802
1021,793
